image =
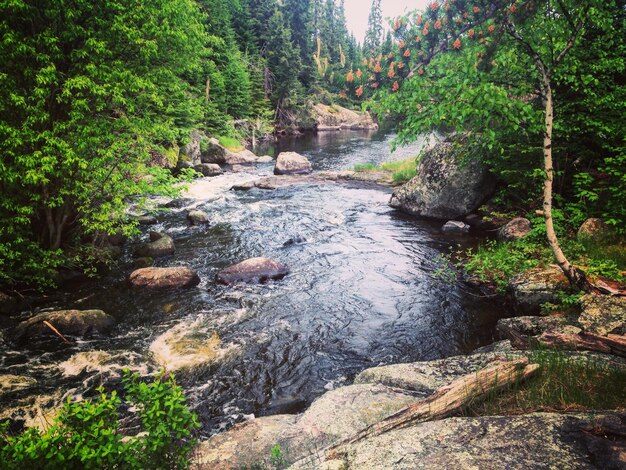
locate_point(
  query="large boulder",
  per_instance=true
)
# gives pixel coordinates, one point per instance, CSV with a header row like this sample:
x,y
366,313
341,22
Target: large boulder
x,y
537,286
516,229
208,169
252,270
603,314
191,154
291,163
190,345
332,118
593,229
445,187
537,441
164,278
67,322
215,153
160,245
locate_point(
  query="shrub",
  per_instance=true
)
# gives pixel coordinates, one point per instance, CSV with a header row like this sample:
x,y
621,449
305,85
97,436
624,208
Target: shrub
x,y
87,434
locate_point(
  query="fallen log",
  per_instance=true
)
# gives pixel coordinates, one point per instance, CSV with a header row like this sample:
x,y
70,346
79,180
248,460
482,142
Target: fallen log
x,y
611,344
446,401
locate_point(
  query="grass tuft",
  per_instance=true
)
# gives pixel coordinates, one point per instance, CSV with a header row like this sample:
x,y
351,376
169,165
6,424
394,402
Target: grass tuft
x,y
231,144
402,170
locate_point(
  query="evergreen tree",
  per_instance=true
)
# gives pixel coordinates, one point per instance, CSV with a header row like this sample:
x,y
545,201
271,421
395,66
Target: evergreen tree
x,y
374,34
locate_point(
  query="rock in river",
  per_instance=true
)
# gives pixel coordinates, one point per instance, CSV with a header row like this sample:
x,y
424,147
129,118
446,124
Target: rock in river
x,y
291,163
197,217
252,271
160,245
445,187
454,226
67,322
164,278
208,169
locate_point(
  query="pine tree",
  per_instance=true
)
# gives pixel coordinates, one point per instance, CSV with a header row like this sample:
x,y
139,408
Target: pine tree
x,y
374,34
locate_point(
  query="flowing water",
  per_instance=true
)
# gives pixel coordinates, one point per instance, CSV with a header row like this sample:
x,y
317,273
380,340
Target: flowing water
x,y
364,290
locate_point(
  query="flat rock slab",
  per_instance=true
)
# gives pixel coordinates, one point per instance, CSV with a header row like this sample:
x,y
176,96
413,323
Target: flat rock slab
x,y
535,441
603,314
67,322
253,270
164,278
291,163
535,287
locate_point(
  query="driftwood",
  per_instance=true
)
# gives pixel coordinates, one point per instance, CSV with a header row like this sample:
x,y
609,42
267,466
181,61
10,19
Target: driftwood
x,y
446,400
611,344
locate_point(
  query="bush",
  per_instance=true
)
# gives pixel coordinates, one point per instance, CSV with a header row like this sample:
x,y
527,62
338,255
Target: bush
x,y
87,434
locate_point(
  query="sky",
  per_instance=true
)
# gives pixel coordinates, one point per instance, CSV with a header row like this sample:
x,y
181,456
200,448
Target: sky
x,y
357,12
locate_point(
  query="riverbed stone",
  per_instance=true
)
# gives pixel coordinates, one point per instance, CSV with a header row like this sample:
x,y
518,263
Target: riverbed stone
x,y
147,220
603,314
516,229
245,186
208,169
160,244
445,187
538,441
254,270
164,278
454,226
197,217
292,163
537,286
191,345
67,322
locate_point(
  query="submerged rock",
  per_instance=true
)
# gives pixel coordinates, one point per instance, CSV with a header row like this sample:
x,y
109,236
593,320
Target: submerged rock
x,y
253,270
164,278
603,314
103,363
67,322
160,244
197,217
445,187
190,345
291,163
454,226
516,229
537,286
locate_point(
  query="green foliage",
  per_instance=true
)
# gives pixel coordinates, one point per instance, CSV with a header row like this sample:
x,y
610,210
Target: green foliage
x,y
402,171
87,434
231,143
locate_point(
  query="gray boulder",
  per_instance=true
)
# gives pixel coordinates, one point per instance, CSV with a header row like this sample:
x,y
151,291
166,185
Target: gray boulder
x,y
253,270
208,169
160,245
445,187
67,322
147,220
593,229
164,278
538,286
197,217
291,163
191,154
521,330
454,226
516,229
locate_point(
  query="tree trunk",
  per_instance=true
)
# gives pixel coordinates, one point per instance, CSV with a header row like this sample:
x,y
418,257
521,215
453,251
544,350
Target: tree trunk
x,y
576,277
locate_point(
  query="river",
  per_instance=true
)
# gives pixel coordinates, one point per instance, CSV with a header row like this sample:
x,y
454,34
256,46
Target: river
x,y
364,290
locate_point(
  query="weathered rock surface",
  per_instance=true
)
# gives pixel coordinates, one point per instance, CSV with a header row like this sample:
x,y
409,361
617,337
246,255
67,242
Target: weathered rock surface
x,y
208,169
520,330
292,163
10,383
197,217
424,378
332,118
516,229
593,229
164,278
215,153
253,270
454,226
537,286
190,345
147,220
191,154
443,187
537,441
160,244
67,322
603,314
